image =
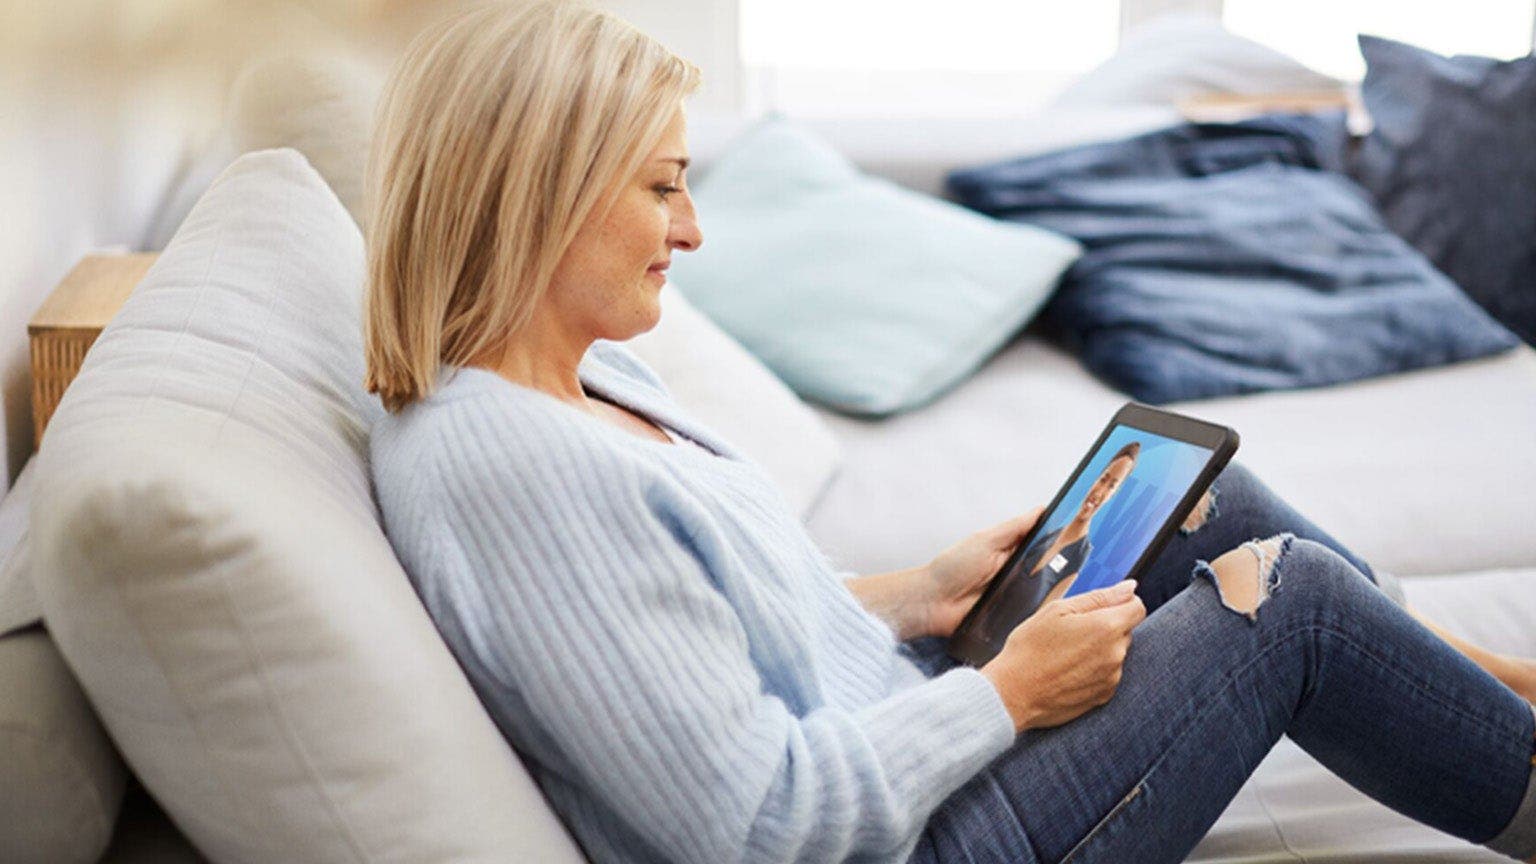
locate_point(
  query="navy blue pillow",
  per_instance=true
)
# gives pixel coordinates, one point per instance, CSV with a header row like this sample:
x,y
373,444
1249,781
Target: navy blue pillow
x,y
1223,259
1451,164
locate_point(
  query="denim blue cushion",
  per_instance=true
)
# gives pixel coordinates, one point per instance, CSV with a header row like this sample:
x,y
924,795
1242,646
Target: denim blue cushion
x,y
1451,164
859,294
1225,259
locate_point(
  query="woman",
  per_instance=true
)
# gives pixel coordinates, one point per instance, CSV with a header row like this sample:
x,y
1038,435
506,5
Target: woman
x,y
680,666
1063,552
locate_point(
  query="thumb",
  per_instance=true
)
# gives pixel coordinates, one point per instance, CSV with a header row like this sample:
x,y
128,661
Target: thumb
x,y
1010,531
1102,598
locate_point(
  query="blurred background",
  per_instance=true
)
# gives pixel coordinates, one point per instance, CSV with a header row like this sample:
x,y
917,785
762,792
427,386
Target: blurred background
x,y
110,107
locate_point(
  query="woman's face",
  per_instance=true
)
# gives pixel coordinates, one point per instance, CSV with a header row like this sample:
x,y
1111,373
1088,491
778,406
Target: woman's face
x,y
606,285
1106,486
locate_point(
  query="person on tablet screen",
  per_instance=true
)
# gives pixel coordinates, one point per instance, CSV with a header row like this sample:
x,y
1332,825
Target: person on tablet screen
x,y
679,664
1054,559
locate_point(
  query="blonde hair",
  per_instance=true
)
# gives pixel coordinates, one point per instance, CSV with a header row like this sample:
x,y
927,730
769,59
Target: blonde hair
x,y
500,132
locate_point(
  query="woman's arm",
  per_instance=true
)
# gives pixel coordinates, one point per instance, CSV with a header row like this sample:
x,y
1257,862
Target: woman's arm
x,y
898,598
591,627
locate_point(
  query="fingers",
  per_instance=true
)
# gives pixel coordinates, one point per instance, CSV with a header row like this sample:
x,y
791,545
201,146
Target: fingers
x,y
1011,531
1131,612
1102,598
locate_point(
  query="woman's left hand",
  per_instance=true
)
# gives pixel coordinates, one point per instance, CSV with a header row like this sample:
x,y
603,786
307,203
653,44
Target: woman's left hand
x,y
953,580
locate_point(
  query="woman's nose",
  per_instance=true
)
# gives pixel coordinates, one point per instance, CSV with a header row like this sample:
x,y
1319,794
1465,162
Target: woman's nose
x,y
684,232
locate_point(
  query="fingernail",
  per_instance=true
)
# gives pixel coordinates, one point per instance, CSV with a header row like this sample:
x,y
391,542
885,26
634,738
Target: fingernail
x,y
1125,586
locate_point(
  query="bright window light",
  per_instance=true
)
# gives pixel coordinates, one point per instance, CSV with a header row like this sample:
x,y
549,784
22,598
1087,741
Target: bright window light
x,y
956,35
904,58
1321,33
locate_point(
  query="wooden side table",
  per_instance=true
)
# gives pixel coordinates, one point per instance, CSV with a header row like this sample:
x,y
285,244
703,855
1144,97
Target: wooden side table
x,y
69,321
1231,108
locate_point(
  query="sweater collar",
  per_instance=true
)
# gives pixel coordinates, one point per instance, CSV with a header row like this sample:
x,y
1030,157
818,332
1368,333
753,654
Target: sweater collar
x,y
621,389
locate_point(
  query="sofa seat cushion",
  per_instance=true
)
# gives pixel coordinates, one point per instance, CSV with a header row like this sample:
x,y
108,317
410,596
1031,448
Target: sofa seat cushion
x,y
61,781
1423,472
208,555
18,600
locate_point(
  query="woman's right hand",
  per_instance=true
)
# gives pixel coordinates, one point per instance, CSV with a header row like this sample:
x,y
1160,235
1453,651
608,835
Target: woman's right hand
x,y
1066,658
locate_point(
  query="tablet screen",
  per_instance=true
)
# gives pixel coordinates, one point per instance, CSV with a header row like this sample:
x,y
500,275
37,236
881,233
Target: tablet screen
x,y
1104,522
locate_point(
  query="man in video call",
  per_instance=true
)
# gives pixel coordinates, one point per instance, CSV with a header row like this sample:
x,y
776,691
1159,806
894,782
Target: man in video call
x,y
1054,558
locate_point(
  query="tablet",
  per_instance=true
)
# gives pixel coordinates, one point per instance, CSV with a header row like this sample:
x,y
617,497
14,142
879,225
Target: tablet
x,y
1133,489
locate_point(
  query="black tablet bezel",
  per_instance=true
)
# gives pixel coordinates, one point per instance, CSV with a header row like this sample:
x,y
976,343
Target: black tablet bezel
x,y
1221,440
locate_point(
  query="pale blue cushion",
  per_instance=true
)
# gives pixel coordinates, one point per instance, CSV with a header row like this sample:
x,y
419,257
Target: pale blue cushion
x,y
861,295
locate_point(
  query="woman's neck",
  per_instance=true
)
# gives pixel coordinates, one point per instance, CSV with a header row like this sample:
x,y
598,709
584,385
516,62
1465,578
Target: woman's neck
x,y
544,358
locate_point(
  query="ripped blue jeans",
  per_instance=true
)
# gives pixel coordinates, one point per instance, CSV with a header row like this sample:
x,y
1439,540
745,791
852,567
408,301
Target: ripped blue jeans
x,y
1326,657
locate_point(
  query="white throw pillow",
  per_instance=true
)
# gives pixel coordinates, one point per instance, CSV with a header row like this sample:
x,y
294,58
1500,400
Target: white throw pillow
x,y
319,103
719,382
209,558
1179,56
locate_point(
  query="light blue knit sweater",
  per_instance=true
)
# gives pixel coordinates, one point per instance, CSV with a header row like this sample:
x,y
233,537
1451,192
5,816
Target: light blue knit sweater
x,y
683,670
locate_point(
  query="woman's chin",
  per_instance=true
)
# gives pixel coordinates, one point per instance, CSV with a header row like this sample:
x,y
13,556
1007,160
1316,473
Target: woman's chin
x,y
647,316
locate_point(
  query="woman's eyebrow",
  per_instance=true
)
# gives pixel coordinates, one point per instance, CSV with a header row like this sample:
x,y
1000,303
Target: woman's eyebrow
x,y
681,161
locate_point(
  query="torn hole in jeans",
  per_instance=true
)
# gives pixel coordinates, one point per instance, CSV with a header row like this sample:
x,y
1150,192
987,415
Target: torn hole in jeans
x,y
1205,511
1247,576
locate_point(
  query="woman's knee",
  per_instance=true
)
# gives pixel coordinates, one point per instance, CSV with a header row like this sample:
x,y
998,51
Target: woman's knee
x,y
1235,485
1250,575
1205,508
1244,575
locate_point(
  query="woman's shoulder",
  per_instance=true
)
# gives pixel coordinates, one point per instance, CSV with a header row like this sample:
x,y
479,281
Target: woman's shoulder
x,y
477,411
477,430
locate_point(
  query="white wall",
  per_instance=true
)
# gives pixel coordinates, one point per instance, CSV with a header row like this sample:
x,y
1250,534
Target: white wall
x,y
82,163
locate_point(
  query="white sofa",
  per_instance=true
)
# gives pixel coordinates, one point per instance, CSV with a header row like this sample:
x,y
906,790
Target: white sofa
x,y
1427,474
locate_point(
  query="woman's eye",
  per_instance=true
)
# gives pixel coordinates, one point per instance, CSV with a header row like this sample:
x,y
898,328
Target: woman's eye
x,y
665,190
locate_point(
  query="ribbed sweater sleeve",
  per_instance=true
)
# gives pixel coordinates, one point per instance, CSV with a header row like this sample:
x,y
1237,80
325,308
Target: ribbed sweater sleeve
x,y
596,619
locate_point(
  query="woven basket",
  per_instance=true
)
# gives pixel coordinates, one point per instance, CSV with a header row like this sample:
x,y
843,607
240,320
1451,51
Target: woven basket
x,y
56,357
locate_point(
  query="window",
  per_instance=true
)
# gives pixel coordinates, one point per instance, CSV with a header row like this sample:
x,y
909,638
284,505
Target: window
x,y
1321,33
965,57
896,58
